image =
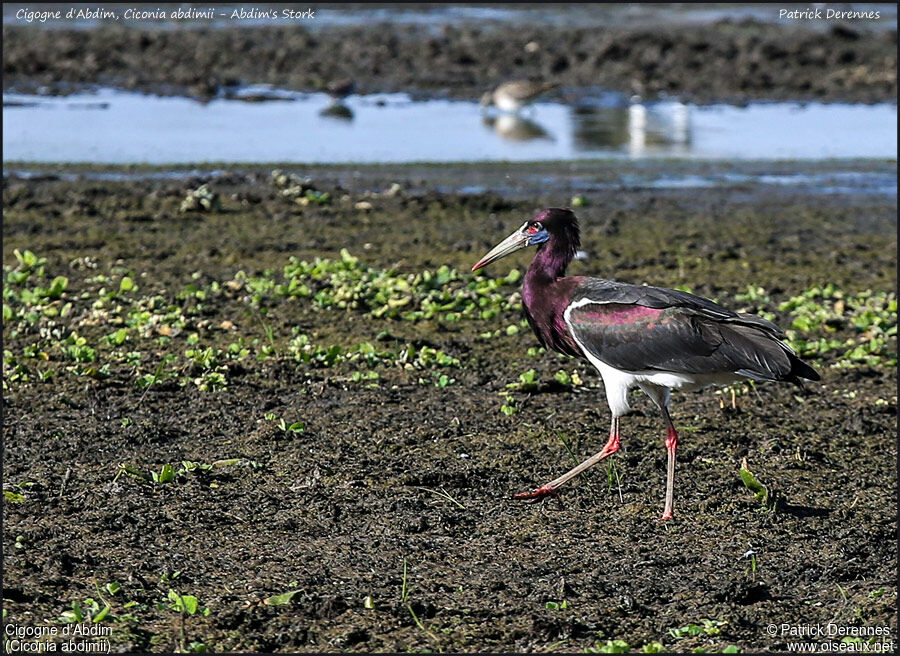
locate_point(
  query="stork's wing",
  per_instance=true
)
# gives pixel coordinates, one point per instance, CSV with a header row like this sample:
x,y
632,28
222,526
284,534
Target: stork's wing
x,y
635,328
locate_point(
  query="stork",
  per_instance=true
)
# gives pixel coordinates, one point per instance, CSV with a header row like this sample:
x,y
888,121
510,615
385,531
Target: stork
x,y
638,336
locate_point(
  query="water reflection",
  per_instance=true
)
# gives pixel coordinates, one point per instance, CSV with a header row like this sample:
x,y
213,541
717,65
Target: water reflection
x,y
313,128
637,128
337,110
514,127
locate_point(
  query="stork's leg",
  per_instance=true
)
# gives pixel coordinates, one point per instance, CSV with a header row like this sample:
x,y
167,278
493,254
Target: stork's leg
x,y
611,446
671,446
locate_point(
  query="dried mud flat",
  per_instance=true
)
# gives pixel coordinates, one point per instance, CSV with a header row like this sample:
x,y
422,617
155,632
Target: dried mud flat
x,y
388,515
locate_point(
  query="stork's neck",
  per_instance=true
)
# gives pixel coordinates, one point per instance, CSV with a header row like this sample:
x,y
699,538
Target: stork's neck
x,y
549,264
550,261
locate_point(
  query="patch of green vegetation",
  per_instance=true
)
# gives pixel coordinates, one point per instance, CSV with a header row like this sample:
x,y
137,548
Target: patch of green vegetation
x,y
90,610
622,647
579,201
13,497
300,190
509,406
87,611
168,473
869,316
438,380
347,284
201,199
704,630
706,627
760,491
569,380
185,606
409,357
528,382
284,426
103,326
281,599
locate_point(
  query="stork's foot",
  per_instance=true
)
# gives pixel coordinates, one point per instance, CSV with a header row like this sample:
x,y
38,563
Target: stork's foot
x,y
537,494
666,516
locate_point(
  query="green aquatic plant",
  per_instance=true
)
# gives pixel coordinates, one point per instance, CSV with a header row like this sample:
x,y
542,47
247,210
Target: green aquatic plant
x,y
348,284
509,406
528,382
201,199
282,598
88,610
763,495
869,317
706,627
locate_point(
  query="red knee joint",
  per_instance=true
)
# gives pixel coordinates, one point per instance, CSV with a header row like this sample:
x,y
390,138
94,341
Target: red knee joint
x,y
671,439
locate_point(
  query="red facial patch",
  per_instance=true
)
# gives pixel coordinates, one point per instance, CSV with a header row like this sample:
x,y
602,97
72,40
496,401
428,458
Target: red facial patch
x,y
532,229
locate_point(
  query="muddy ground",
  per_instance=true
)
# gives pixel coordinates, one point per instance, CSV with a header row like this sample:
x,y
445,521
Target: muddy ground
x,y
400,475
725,61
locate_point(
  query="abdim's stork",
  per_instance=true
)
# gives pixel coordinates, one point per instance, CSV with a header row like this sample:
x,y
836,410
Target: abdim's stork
x,y
637,336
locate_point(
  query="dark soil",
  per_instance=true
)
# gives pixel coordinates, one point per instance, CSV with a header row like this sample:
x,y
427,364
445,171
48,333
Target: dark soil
x,y
723,61
339,510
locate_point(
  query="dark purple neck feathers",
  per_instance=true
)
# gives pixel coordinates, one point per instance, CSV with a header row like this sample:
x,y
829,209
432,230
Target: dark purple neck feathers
x,y
546,292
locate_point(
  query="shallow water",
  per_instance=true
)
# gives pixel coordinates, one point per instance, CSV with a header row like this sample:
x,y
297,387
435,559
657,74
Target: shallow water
x,y
270,125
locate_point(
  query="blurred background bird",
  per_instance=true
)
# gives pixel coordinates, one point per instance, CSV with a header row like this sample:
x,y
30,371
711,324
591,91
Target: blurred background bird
x,y
513,95
340,89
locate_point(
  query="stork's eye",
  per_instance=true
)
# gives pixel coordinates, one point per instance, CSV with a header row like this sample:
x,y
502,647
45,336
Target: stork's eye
x,y
533,228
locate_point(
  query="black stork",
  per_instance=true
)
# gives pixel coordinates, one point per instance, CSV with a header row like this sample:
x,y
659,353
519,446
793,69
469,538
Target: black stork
x,y
638,336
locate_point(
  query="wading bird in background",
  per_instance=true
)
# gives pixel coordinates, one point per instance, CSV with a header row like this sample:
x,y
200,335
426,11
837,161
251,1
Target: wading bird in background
x,y
637,336
512,96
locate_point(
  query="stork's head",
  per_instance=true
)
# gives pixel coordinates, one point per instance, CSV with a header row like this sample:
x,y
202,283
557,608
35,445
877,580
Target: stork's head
x,y
559,225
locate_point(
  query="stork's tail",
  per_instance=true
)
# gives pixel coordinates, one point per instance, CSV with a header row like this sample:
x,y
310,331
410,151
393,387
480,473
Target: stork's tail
x,y
762,355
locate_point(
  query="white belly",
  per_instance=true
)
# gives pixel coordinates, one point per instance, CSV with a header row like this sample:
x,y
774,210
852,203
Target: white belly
x,y
656,384
507,103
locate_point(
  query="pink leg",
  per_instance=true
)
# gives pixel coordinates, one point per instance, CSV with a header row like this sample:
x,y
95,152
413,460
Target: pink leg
x,y
611,446
671,446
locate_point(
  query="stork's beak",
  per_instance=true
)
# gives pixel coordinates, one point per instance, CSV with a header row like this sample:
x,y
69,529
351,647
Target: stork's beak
x,y
511,244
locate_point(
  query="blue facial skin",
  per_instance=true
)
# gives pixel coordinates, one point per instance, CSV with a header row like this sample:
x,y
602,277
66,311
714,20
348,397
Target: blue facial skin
x,y
538,237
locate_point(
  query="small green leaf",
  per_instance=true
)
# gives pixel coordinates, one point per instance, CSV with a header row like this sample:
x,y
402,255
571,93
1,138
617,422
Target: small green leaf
x,y
614,647
102,614
751,483
280,599
166,474
189,603
13,497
